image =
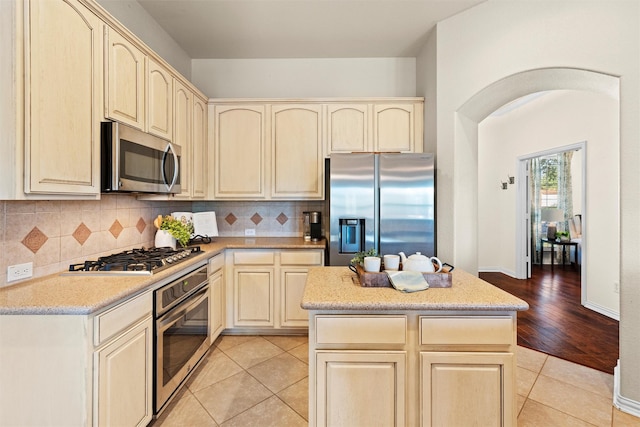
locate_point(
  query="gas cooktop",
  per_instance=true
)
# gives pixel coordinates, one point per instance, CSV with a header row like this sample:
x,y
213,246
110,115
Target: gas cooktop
x,y
134,262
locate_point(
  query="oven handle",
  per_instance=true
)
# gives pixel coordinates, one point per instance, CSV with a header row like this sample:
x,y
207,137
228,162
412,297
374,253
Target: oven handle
x,y
199,296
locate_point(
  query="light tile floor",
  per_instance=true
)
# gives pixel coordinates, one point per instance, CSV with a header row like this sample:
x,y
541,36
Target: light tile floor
x,y
263,381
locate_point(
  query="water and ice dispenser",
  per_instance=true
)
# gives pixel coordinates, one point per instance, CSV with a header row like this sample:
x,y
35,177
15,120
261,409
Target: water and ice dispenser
x,y
351,235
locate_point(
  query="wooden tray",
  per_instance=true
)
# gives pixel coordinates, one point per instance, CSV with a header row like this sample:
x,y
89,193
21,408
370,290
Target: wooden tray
x,y
381,280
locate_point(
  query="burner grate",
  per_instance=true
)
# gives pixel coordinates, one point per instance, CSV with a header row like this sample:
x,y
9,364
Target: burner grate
x,y
136,260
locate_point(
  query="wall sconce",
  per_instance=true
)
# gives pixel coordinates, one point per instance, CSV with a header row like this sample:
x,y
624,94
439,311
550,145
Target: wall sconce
x,y
504,185
511,179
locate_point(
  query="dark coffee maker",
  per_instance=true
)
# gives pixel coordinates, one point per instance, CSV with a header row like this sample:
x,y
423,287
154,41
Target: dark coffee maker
x,y
316,226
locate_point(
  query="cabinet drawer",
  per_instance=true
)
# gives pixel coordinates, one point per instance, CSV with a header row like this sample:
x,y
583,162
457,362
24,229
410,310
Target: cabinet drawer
x,y
259,258
466,330
361,330
216,263
301,258
118,318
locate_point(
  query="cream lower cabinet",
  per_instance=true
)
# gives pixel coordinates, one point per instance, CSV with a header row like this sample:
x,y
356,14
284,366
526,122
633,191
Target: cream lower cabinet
x,y
124,382
253,292
267,287
412,368
465,388
78,370
123,364
217,299
365,388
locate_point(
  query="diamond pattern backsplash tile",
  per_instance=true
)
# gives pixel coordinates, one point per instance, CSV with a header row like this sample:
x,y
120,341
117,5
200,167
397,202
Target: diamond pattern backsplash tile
x,y
82,233
116,229
34,240
282,218
256,218
93,228
231,218
141,225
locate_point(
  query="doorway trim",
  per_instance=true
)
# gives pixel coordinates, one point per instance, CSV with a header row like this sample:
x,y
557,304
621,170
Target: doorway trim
x,y
522,213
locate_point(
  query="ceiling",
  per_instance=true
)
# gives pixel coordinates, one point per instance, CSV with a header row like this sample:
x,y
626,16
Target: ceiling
x,y
229,29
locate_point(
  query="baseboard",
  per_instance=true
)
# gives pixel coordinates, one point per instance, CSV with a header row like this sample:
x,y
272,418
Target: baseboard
x,y
497,270
625,405
602,310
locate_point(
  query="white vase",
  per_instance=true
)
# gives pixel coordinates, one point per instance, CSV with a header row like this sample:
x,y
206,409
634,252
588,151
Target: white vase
x,y
165,239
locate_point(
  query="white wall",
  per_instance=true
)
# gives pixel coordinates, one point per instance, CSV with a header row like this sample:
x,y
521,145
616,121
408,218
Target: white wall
x,y
559,118
498,39
305,78
133,16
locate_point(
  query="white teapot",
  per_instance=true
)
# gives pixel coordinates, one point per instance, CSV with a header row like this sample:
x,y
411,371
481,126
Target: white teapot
x,y
421,263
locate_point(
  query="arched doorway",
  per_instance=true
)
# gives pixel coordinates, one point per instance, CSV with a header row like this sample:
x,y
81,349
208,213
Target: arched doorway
x,y
477,108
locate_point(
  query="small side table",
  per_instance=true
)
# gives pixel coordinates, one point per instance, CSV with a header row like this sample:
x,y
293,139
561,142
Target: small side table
x,y
564,245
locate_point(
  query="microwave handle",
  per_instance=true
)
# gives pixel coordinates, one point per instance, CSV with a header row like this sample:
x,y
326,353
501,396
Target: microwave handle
x,y
176,169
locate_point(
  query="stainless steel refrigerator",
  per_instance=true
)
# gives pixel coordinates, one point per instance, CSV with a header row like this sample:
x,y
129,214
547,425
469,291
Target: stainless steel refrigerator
x,y
381,201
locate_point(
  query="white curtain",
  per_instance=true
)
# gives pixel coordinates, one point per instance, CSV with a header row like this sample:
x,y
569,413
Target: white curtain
x,y
565,188
535,178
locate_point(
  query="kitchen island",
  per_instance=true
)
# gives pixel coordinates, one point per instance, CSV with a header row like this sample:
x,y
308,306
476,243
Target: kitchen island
x,y
439,357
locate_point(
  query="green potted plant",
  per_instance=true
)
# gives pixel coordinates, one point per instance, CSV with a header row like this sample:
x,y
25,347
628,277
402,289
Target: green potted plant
x,y
178,230
562,235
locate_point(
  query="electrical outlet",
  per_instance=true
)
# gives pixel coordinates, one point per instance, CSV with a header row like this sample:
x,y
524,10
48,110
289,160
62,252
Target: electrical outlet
x,y
616,287
19,271
249,231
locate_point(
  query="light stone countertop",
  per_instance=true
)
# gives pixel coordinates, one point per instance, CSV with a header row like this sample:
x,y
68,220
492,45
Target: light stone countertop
x,y
338,288
87,294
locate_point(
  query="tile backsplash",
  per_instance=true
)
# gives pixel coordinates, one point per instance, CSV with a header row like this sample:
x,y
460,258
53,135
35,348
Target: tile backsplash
x,y
54,234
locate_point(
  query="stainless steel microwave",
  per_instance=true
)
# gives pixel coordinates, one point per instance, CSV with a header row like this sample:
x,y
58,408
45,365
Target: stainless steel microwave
x,y
133,161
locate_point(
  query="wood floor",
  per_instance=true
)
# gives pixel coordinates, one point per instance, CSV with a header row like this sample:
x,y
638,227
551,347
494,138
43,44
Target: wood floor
x,y
556,323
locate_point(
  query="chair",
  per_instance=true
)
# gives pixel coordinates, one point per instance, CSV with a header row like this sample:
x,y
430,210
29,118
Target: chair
x,y
575,233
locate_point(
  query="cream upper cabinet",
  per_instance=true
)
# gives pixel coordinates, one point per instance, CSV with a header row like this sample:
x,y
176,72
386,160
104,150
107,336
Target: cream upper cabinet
x,y
159,101
240,146
394,127
348,128
296,144
274,149
125,80
182,101
62,98
199,149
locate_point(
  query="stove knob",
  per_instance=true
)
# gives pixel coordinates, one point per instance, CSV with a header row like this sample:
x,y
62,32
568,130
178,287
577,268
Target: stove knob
x,y
168,260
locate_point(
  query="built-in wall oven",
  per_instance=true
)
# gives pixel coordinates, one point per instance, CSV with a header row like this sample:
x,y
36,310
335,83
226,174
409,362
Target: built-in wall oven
x,y
181,317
